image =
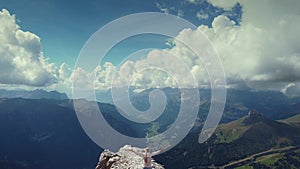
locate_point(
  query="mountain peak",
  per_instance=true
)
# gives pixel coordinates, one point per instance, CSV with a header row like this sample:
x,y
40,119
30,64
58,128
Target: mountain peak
x,y
253,117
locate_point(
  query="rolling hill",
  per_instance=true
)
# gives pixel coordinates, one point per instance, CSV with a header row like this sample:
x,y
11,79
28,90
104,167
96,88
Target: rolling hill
x,y
233,141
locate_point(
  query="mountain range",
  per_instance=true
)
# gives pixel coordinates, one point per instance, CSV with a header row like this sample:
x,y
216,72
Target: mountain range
x,y
35,94
43,133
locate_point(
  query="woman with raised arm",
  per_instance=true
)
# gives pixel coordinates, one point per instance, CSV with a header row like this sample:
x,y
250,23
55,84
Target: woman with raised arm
x,y
147,156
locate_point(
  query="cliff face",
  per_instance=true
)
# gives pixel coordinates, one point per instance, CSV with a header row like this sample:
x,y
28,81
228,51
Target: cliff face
x,y
123,159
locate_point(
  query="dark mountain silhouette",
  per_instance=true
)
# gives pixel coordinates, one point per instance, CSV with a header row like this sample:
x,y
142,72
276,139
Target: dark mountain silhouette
x,y
42,134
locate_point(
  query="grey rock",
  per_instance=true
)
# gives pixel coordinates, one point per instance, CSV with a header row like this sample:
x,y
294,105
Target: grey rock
x,y
123,159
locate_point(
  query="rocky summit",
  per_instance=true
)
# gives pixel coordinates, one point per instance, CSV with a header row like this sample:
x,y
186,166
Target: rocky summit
x,y
123,159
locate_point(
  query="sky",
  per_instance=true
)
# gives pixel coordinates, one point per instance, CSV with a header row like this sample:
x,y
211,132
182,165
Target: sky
x,y
257,42
64,26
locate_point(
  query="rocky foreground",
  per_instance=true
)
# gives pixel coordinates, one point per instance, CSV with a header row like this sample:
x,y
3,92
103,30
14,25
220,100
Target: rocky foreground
x,y
123,159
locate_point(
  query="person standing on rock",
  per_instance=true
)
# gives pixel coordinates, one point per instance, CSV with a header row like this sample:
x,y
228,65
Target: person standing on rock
x,y
147,156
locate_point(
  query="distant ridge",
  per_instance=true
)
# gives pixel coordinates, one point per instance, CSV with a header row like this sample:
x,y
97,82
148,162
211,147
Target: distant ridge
x,y
35,94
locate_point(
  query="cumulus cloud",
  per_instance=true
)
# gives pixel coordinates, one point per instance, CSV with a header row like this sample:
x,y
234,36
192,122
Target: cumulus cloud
x,y
264,48
21,59
160,68
99,79
262,51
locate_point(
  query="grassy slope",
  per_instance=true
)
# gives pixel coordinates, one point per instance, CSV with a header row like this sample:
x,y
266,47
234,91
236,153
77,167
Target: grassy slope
x,y
288,160
295,120
231,142
250,135
229,132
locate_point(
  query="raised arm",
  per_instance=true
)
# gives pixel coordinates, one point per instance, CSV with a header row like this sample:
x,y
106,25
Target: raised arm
x,y
156,152
136,152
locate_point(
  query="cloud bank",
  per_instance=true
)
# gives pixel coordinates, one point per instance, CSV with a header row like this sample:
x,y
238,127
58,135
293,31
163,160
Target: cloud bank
x,y
264,49
261,52
21,59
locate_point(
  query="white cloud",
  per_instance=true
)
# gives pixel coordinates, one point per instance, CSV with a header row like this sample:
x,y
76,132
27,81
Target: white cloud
x,y
99,79
292,89
64,71
162,8
227,5
21,59
148,72
195,2
169,10
160,68
201,15
180,13
263,50
288,86
263,13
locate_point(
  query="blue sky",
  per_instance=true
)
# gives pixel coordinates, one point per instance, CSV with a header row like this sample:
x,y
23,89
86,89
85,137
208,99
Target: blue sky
x,y
64,26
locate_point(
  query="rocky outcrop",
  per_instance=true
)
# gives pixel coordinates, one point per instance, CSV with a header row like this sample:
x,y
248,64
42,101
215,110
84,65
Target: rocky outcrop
x,y
123,159
253,117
